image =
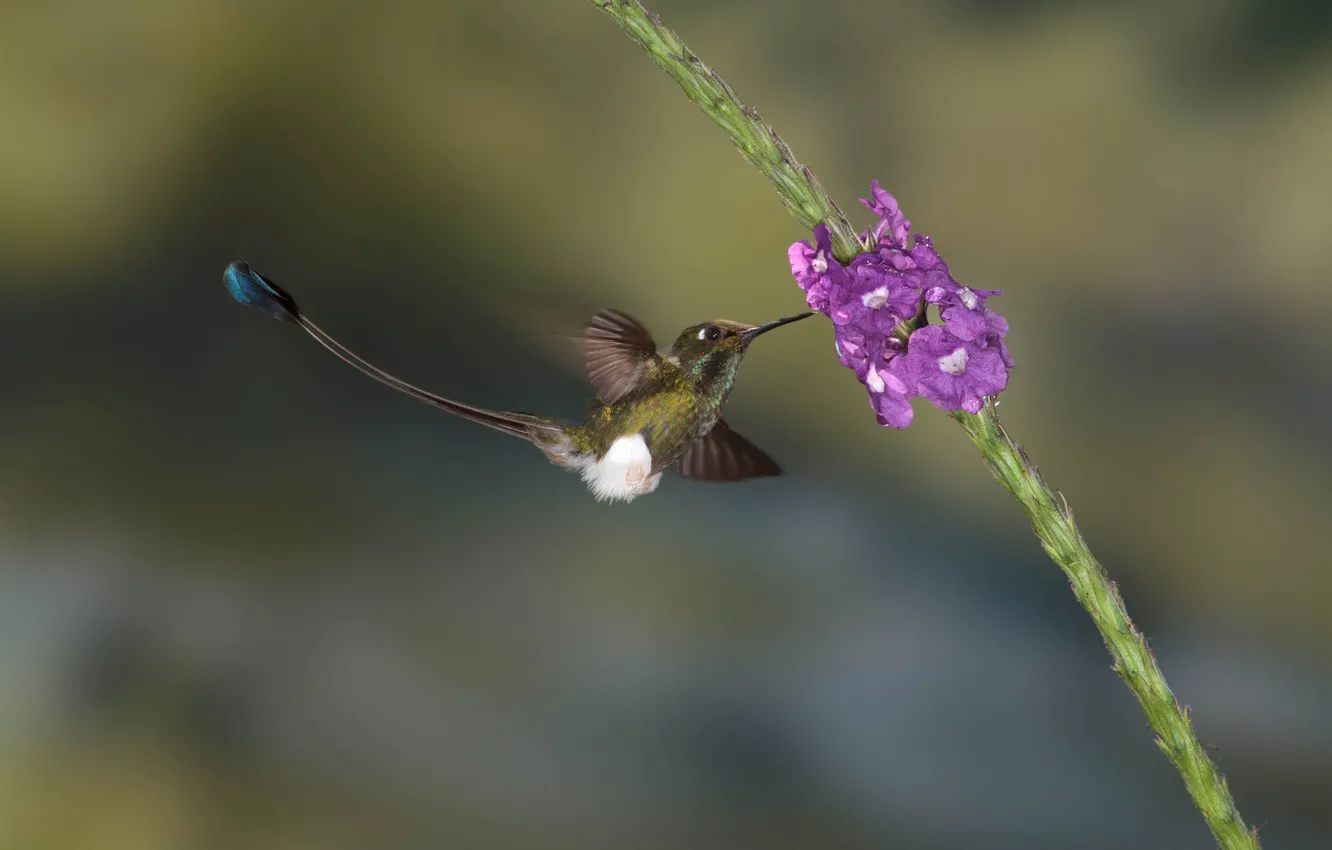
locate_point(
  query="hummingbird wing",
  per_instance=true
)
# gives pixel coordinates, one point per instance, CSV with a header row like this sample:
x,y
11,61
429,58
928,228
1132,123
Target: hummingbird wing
x,y
616,348
724,455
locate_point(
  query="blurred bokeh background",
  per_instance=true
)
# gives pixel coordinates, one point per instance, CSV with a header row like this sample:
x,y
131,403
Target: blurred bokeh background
x,y
250,599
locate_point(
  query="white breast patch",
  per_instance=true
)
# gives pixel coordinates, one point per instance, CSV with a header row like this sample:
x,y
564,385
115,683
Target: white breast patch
x,y
624,473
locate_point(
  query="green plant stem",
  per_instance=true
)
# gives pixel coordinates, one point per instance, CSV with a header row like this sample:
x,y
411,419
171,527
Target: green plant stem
x,y
758,142
1052,521
1050,515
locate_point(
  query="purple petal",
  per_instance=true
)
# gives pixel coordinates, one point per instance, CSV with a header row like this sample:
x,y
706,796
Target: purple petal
x,y
931,341
941,389
892,228
952,373
987,373
823,240
801,255
816,294
892,410
877,295
924,255
938,294
856,348
963,323
898,260
997,343
848,313
893,382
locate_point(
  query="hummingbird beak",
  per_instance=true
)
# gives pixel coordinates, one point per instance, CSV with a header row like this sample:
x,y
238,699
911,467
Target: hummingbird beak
x,y
762,329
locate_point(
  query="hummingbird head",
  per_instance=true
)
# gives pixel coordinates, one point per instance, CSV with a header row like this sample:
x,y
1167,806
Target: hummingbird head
x,y
713,349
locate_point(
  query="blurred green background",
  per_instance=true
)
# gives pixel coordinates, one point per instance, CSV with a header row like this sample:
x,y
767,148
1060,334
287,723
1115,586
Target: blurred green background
x,y
250,599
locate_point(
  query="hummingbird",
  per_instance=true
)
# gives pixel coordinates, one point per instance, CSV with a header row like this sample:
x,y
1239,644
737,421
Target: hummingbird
x,y
654,411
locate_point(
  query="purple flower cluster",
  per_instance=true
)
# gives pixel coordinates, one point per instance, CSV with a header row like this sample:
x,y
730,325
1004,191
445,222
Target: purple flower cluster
x,y
955,365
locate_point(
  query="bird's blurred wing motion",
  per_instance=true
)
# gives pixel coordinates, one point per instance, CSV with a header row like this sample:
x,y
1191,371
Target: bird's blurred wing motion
x,y
724,455
616,349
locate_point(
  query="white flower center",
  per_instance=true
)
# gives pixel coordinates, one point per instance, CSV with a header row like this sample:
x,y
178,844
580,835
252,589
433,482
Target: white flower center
x,y
969,298
876,299
955,363
873,381
820,263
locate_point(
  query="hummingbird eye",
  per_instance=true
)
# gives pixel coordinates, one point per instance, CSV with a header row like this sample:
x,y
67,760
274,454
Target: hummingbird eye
x,y
711,333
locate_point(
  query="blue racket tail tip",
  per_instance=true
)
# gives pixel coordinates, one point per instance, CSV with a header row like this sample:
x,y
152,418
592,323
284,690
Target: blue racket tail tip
x,y
254,290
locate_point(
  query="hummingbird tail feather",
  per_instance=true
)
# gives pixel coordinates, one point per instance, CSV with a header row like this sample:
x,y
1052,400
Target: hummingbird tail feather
x,y
254,290
524,425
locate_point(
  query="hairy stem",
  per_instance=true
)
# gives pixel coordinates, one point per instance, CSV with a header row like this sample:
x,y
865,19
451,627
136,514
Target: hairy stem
x,y
1052,521
1050,515
758,142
